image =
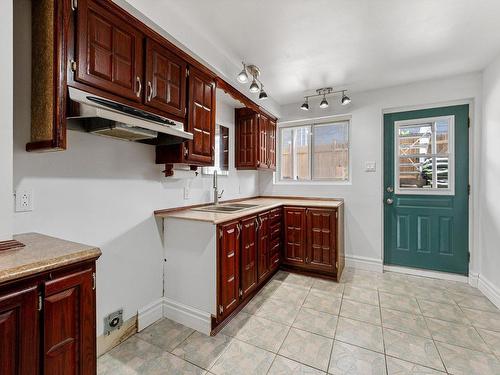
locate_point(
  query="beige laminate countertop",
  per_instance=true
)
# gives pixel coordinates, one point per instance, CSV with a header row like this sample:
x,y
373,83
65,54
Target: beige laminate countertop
x,y
264,205
42,253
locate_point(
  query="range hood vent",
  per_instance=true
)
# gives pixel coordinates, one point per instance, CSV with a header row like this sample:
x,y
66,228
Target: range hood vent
x,y
112,119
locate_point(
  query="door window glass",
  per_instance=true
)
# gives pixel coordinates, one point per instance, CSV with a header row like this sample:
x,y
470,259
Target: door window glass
x,y
424,156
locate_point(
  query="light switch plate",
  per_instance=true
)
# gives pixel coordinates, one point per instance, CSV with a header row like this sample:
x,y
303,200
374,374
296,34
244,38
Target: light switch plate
x,y
370,166
24,200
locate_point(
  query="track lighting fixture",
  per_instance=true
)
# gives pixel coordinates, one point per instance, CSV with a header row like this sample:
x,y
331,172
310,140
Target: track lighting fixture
x,y
254,87
324,103
262,93
243,76
254,72
305,105
345,99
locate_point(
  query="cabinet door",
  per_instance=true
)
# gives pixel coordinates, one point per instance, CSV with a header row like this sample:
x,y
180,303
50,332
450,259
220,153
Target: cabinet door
x,y
201,118
263,246
19,344
109,51
165,79
246,142
271,144
321,224
69,325
248,255
229,269
262,152
295,228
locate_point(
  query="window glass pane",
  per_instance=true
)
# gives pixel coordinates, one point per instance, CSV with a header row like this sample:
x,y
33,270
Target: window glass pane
x,y
331,151
442,134
301,150
415,172
442,165
286,164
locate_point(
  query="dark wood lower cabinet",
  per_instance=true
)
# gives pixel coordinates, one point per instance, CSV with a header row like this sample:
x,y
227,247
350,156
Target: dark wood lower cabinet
x,y
251,250
248,273
52,314
314,240
19,329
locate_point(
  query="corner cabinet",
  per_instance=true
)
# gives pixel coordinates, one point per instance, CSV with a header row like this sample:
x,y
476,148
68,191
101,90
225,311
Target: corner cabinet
x,y
314,240
255,140
48,322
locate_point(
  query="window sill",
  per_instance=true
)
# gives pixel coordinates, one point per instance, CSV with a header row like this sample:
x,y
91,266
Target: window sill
x,y
317,182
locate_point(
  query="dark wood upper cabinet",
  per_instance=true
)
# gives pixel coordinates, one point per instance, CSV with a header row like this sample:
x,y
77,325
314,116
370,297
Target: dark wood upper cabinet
x,y
201,118
19,332
263,237
109,51
248,255
295,236
165,79
271,144
228,278
321,225
255,140
246,140
69,324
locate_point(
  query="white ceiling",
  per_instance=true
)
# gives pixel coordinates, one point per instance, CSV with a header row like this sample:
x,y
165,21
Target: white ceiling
x,y
301,45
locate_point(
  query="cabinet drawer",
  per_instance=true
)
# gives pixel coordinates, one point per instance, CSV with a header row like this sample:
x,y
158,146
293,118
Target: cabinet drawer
x,y
276,216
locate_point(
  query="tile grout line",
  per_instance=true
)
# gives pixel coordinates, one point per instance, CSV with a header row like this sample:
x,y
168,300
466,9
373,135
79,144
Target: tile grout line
x,y
382,328
335,333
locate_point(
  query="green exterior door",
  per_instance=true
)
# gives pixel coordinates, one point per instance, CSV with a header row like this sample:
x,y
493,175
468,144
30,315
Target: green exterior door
x,y
426,158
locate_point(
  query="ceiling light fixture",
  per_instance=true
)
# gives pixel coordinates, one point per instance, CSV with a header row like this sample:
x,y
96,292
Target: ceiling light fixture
x,y
305,105
243,76
324,103
345,99
262,93
254,72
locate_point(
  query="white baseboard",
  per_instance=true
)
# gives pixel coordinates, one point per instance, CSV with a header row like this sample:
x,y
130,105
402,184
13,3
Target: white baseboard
x,y
149,314
427,273
187,315
364,263
489,290
474,279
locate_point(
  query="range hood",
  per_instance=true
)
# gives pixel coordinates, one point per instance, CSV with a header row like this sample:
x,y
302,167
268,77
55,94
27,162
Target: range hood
x,y
112,119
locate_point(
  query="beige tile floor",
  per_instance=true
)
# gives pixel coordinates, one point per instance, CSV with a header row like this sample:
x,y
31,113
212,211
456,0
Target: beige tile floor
x,y
369,323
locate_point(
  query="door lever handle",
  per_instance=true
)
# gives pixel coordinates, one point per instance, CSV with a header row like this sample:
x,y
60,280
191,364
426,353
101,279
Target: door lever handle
x,y
389,201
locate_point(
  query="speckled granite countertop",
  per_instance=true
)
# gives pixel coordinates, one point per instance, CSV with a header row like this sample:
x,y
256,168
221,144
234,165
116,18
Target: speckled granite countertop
x,y
42,253
264,204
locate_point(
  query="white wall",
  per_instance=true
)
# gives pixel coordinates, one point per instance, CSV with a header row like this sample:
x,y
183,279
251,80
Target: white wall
x,y
6,34
489,204
103,192
363,196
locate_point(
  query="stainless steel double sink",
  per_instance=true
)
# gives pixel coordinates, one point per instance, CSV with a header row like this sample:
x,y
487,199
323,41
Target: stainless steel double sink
x,y
226,207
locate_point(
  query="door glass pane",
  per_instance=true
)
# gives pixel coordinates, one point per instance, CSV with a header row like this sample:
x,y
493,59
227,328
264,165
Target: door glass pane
x,y
301,148
423,154
286,153
331,151
415,139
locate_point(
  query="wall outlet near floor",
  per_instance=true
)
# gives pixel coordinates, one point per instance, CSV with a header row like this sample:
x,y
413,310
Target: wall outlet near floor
x,y
186,192
113,321
24,200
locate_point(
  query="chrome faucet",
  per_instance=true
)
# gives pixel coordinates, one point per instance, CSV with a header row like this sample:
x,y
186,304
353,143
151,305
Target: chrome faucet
x,y
217,195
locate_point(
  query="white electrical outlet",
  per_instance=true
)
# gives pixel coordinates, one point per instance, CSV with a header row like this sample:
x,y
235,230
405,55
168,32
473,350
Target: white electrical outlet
x,y
24,200
186,192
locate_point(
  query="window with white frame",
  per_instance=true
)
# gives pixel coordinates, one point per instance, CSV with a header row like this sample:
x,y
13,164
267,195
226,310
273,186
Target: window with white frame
x,y
317,151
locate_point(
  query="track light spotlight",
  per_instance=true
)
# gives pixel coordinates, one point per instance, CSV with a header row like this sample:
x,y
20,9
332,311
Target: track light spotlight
x,y
243,76
324,102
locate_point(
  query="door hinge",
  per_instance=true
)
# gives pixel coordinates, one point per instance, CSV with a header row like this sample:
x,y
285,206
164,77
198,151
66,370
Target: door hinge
x,y
221,232
221,309
93,281
468,189
73,65
74,5
240,292
40,302
336,214
187,73
468,257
